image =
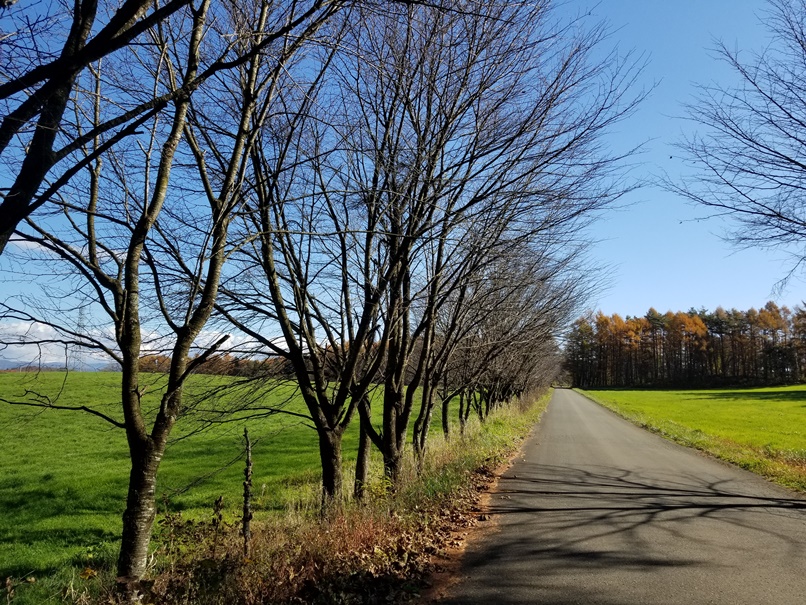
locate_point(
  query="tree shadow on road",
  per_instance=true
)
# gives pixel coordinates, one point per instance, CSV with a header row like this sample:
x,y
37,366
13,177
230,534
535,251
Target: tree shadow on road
x,y
558,524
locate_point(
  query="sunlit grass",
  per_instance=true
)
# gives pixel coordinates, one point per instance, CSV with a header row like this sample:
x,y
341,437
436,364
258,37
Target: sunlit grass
x,y
64,474
762,430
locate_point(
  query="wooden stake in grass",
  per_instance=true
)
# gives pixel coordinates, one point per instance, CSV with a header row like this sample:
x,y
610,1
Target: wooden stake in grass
x,y
247,494
218,521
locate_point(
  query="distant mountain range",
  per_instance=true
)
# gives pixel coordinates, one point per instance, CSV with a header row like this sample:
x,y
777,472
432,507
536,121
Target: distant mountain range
x,y
84,366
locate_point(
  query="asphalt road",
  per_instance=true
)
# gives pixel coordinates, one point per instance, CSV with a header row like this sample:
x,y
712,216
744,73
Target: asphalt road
x,y
598,511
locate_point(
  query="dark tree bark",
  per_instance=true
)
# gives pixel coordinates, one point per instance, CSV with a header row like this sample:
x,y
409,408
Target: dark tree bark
x,y
52,82
332,472
138,519
364,449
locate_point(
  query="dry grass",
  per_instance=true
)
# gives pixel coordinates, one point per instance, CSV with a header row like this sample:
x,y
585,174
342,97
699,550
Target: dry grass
x,y
379,551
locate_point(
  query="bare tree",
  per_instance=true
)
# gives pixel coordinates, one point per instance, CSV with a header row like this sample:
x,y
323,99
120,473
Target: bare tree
x,y
146,231
462,111
497,331
38,80
45,51
748,161
310,278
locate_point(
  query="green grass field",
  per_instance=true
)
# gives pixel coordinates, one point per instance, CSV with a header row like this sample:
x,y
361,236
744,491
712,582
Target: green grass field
x,y
64,474
63,479
762,430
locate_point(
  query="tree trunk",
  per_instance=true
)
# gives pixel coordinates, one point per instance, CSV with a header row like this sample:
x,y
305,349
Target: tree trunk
x,y
392,465
420,431
330,456
138,520
391,453
362,461
446,425
392,409
427,426
462,413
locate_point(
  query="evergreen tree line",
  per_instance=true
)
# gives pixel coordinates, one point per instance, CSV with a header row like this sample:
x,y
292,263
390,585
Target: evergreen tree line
x,y
689,349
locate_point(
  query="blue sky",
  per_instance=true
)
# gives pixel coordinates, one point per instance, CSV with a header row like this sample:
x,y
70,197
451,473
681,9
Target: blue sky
x,y
660,254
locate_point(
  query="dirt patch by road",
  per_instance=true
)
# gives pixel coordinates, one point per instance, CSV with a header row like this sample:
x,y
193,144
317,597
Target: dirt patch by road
x,y
448,564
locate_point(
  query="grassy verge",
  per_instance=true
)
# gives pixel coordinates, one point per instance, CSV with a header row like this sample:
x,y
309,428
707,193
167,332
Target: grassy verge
x,y
761,430
62,488
378,551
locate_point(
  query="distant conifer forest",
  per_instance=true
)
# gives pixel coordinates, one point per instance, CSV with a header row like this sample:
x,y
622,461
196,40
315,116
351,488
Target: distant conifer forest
x,y
697,348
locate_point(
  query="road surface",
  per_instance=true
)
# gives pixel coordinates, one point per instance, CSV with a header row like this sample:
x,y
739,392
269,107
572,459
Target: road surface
x,y
598,511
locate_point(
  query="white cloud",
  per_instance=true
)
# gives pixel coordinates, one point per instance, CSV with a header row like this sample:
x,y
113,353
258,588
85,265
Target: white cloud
x,y
25,245
31,343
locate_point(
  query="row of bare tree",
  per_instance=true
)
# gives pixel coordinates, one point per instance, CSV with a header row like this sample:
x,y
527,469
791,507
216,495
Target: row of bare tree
x,y
372,193
693,349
